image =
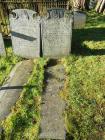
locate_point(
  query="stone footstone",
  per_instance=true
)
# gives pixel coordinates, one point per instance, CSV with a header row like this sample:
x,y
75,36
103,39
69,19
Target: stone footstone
x,y
2,48
52,119
25,33
11,90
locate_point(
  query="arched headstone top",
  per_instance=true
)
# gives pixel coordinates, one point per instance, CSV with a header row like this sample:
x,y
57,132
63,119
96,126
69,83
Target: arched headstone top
x,y
55,13
23,14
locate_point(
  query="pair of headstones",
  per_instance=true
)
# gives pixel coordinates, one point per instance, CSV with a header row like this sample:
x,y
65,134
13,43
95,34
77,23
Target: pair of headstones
x,y
32,35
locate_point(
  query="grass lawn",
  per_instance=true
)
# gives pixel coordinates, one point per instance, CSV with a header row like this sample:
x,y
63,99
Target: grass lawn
x,y
86,81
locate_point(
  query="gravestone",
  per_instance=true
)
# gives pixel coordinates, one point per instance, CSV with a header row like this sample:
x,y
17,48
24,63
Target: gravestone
x,y
79,19
25,31
56,35
2,48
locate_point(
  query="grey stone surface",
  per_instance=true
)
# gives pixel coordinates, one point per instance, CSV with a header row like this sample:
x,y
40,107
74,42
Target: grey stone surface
x,y
79,20
25,31
56,13
10,91
56,37
2,48
52,123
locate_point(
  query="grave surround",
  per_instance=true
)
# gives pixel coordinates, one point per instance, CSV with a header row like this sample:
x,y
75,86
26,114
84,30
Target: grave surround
x,y
2,48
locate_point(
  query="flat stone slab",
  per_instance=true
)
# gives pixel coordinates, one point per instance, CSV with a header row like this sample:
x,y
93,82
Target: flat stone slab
x,y
25,31
2,48
11,90
52,123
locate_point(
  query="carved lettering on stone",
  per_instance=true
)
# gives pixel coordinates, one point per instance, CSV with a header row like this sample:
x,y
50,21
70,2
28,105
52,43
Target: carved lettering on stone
x,y
56,36
2,48
25,31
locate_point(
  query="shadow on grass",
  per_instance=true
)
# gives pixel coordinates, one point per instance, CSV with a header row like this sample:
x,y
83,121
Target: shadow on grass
x,y
90,34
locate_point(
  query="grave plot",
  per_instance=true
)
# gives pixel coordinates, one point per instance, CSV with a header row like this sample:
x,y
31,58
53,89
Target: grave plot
x,y
25,31
24,118
52,124
2,48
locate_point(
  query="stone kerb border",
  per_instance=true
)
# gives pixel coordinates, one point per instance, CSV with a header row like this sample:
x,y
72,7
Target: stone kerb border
x,y
2,48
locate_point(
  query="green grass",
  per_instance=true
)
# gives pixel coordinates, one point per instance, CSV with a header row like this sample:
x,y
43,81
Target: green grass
x,y
23,121
85,89
86,81
7,63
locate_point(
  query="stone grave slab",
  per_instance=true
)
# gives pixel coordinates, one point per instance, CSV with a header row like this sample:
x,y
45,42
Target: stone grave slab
x,y
2,48
53,106
56,36
25,31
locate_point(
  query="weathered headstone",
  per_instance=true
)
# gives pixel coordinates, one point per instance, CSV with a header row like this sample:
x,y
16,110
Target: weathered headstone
x,y
79,20
56,35
2,48
25,30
